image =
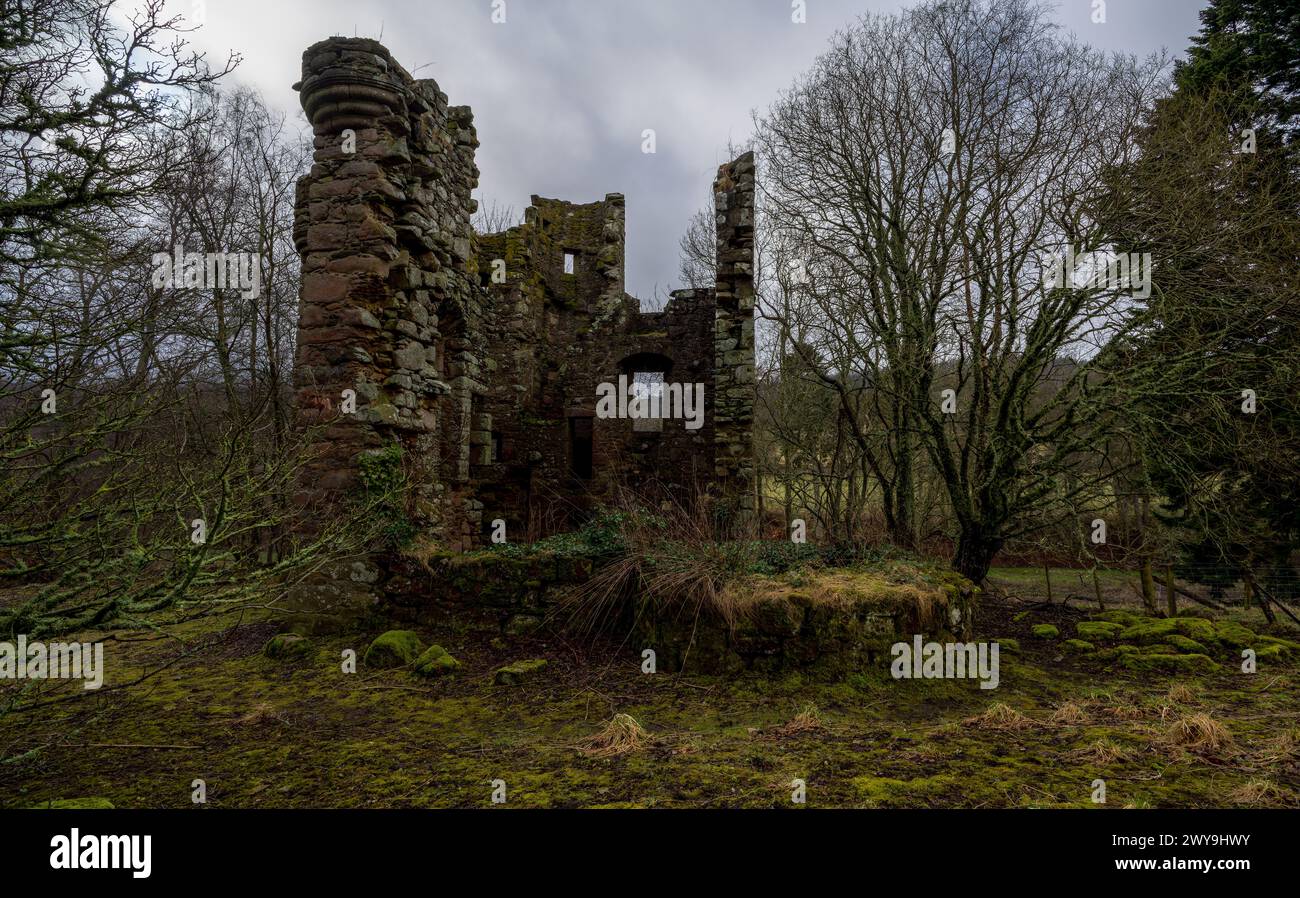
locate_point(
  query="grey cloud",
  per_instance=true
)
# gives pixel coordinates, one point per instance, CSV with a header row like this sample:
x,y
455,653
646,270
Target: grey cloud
x,y
563,90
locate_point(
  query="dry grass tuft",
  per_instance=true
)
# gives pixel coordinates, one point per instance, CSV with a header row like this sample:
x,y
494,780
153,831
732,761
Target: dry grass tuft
x,y
618,737
1199,732
806,721
677,557
262,712
1070,714
1000,716
1283,747
1181,694
1258,794
1102,752
1125,712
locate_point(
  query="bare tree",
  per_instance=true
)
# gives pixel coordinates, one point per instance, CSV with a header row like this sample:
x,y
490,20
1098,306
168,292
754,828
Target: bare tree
x,y
922,172
494,217
697,266
134,409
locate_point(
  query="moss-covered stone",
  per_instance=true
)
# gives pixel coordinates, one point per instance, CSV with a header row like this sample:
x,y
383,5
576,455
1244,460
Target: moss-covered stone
x,y
833,622
1077,646
1271,652
519,672
1008,644
1113,653
1046,631
75,804
396,648
1185,645
1233,634
1286,648
1157,662
289,647
522,624
1118,616
435,662
1151,630
1098,630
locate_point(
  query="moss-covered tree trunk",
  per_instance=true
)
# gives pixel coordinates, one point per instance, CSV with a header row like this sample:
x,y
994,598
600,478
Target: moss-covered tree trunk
x,y
1148,587
974,555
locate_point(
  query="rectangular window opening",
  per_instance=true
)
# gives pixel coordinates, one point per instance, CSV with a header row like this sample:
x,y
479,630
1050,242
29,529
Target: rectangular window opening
x,y
568,263
652,383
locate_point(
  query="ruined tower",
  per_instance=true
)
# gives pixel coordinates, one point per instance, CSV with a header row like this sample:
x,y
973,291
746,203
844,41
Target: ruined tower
x,y
480,355
390,302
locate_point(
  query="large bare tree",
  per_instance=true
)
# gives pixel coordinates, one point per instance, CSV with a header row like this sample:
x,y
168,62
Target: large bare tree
x,y
919,176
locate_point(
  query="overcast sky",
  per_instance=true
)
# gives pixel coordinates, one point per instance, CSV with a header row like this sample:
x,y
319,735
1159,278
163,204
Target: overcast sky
x,y
562,91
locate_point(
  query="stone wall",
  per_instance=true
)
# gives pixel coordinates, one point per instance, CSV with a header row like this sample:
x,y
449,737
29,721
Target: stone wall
x,y
835,628
733,404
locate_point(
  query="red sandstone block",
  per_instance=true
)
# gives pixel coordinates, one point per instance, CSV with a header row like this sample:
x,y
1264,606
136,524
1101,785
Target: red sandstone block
x,y
322,288
329,335
360,263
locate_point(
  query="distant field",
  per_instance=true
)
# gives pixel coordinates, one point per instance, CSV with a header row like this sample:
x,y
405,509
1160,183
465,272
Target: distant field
x,y
1032,581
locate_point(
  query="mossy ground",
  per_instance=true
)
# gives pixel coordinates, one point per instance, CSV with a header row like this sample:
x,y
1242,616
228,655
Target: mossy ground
x,y
264,732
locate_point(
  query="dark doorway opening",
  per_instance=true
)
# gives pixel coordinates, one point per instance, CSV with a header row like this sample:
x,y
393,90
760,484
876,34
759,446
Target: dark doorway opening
x,y
580,447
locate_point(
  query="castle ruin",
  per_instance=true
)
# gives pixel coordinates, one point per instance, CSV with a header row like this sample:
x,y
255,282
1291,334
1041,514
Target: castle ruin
x,y
480,355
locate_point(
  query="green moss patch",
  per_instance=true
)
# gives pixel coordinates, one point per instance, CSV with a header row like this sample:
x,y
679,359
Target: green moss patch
x,y
1118,616
396,648
1233,634
1149,630
289,647
75,804
1160,662
519,672
1098,630
1185,645
435,662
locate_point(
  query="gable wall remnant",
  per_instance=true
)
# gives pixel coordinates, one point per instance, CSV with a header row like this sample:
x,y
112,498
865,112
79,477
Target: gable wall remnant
x,y
480,355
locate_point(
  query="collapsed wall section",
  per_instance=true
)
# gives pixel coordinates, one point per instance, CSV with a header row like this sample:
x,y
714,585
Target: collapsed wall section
x,y
556,289
563,326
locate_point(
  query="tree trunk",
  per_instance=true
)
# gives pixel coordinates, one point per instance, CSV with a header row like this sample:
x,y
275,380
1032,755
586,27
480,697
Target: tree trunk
x,y
1248,587
1171,595
1148,588
974,556
905,498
